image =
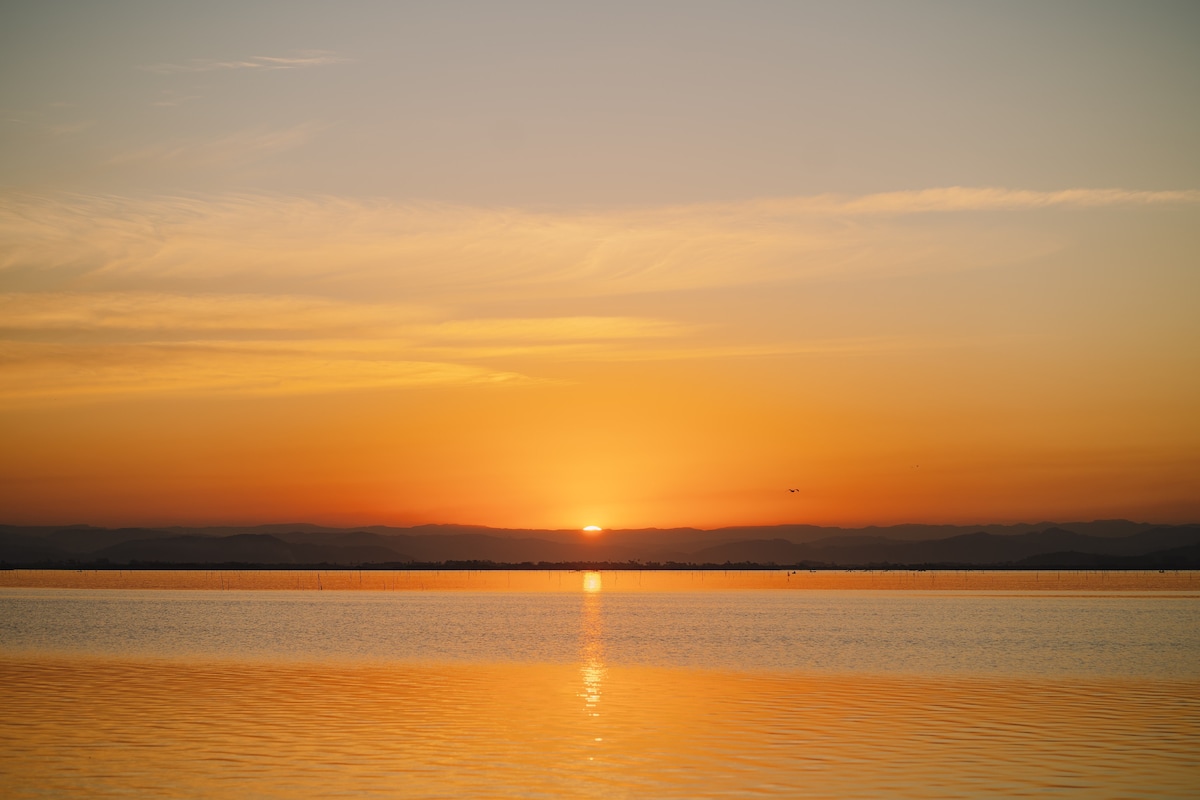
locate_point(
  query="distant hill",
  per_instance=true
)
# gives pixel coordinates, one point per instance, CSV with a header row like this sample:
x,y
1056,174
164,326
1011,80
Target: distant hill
x,y
969,549
1086,544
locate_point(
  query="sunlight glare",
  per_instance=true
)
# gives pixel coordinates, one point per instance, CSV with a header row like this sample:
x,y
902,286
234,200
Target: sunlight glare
x,y
591,582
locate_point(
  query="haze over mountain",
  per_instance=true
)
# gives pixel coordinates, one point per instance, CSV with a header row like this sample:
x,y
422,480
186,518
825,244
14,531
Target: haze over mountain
x,y
1106,543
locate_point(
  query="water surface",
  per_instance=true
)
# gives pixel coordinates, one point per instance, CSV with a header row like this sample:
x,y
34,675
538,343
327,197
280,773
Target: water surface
x,y
674,692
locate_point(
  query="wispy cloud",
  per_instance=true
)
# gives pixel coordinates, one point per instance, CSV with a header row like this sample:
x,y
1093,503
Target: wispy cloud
x,y
965,198
230,149
157,313
266,244
83,346
56,372
169,98
694,349
70,128
265,293
50,120
153,315
296,60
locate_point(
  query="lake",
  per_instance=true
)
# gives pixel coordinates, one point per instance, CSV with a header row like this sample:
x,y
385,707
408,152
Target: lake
x,y
584,684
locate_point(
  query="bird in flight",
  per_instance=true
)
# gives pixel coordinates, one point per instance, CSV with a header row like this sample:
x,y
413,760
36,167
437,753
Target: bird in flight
x,y
793,490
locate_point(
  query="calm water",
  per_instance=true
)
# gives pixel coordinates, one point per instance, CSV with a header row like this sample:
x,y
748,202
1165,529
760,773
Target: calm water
x,y
591,685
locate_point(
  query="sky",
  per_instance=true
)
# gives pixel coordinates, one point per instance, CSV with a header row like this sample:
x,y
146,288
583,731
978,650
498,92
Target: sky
x,y
555,264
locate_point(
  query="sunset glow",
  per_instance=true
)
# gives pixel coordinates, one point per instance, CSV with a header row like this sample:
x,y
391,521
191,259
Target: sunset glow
x,y
309,268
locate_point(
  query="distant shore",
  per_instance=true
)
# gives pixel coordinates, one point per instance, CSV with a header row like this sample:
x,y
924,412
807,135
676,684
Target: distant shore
x,y
590,581
594,566
1101,544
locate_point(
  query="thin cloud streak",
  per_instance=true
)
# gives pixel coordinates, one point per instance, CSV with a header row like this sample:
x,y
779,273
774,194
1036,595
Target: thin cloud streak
x,y
271,244
235,148
965,198
49,120
79,347
83,347
154,314
301,59
252,294
33,374
631,352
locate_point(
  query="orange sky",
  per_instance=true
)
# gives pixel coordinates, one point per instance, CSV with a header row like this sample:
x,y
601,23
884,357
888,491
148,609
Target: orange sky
x,y
621,270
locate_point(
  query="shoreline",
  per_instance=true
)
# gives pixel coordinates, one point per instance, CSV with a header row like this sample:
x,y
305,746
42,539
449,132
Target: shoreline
x,y
605,580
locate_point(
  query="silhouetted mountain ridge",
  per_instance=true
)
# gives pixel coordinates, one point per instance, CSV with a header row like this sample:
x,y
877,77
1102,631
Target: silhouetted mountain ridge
x,y
300,544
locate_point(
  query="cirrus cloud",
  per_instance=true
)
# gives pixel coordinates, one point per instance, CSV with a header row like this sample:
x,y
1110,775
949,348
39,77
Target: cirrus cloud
x,y
70,347
257,293
267,244
296,60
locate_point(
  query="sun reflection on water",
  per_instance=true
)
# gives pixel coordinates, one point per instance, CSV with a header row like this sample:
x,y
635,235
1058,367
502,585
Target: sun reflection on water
x,y
592,669
712,714
592,582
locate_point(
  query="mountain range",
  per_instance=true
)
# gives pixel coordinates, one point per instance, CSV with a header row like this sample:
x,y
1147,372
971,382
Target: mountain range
x,y
1101,544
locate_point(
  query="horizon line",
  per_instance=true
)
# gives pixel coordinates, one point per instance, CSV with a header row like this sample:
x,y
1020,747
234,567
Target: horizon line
x,y
580,529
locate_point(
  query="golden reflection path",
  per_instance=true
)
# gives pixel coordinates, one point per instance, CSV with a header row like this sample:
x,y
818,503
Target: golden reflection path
x,y
612,580
103,727
591,668
119,726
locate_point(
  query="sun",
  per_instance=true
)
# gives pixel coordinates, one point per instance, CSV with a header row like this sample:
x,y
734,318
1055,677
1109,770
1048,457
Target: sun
x,y
592,529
